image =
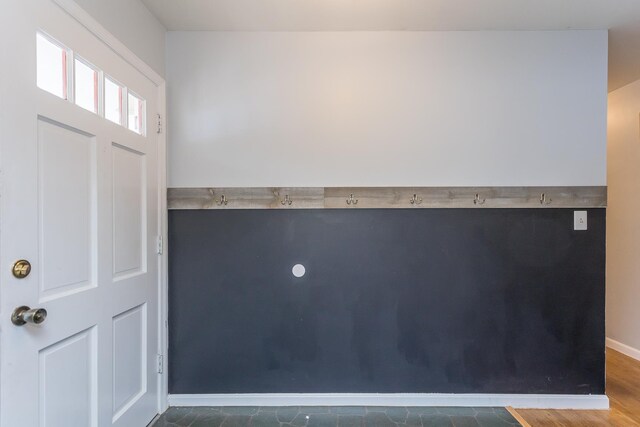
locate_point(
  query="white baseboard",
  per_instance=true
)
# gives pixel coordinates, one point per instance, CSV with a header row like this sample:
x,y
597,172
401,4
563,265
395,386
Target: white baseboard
x,y
537,401
623,348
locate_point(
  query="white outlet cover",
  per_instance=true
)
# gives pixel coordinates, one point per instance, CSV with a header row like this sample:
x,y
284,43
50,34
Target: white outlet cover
x,y
298,270
580,220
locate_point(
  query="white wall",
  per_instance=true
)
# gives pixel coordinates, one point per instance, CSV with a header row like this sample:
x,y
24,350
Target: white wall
x,y
132,23
387,108
623,228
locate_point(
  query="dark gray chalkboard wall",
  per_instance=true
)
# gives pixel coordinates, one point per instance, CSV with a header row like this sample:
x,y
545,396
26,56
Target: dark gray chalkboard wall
x,y
422,300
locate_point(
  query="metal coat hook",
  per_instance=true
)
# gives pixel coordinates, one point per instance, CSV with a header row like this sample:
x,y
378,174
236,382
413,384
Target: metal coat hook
x,y
222,200
286,201
415,200
544,200
352,200
478,201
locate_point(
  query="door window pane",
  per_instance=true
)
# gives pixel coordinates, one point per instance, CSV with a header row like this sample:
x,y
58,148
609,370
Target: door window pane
x,y
136,114
51,67
86,86
112,101
58,67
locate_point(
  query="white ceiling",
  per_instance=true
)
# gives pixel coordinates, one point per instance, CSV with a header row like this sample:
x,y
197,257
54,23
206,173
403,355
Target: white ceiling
x,y
621,17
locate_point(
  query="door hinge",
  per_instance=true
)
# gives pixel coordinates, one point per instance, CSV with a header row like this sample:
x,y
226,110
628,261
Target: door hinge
x,y
159,123
159,245
160,364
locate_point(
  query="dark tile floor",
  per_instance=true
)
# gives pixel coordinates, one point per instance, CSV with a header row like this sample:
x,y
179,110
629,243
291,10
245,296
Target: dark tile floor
x,y
335,416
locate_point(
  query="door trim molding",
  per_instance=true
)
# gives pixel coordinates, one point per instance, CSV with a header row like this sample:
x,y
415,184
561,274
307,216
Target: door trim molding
x,y
530,401
97,29
163,257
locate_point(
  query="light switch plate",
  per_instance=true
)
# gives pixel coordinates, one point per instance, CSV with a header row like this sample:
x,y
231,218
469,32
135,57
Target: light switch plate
x,y
580,220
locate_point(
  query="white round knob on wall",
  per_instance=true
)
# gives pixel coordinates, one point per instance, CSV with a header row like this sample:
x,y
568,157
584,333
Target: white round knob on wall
x,y
298,270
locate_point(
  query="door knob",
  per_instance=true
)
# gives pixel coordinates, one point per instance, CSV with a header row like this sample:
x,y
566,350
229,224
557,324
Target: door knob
x,y
23,315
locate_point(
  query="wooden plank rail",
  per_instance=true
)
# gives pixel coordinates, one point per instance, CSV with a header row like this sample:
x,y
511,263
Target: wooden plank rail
x,y
386,197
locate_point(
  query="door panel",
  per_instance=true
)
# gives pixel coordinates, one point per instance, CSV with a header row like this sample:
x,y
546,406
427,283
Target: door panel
x,y
129,358
129,212
79,200
68,381
66,169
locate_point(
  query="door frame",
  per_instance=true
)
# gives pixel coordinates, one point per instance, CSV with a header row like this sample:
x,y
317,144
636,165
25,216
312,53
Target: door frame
x,y
99,31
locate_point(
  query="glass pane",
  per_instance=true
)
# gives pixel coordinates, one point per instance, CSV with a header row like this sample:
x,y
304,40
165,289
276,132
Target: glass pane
x,y
112,101
51,67
86,86
136,114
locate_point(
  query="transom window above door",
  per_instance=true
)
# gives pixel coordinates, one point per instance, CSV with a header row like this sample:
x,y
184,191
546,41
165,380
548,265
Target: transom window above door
x,y
67,75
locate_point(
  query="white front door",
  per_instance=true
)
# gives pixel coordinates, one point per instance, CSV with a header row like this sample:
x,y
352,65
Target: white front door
x,y
79,201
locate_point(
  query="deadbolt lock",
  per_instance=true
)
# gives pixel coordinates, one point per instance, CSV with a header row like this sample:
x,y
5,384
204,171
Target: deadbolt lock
x,y
21,269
